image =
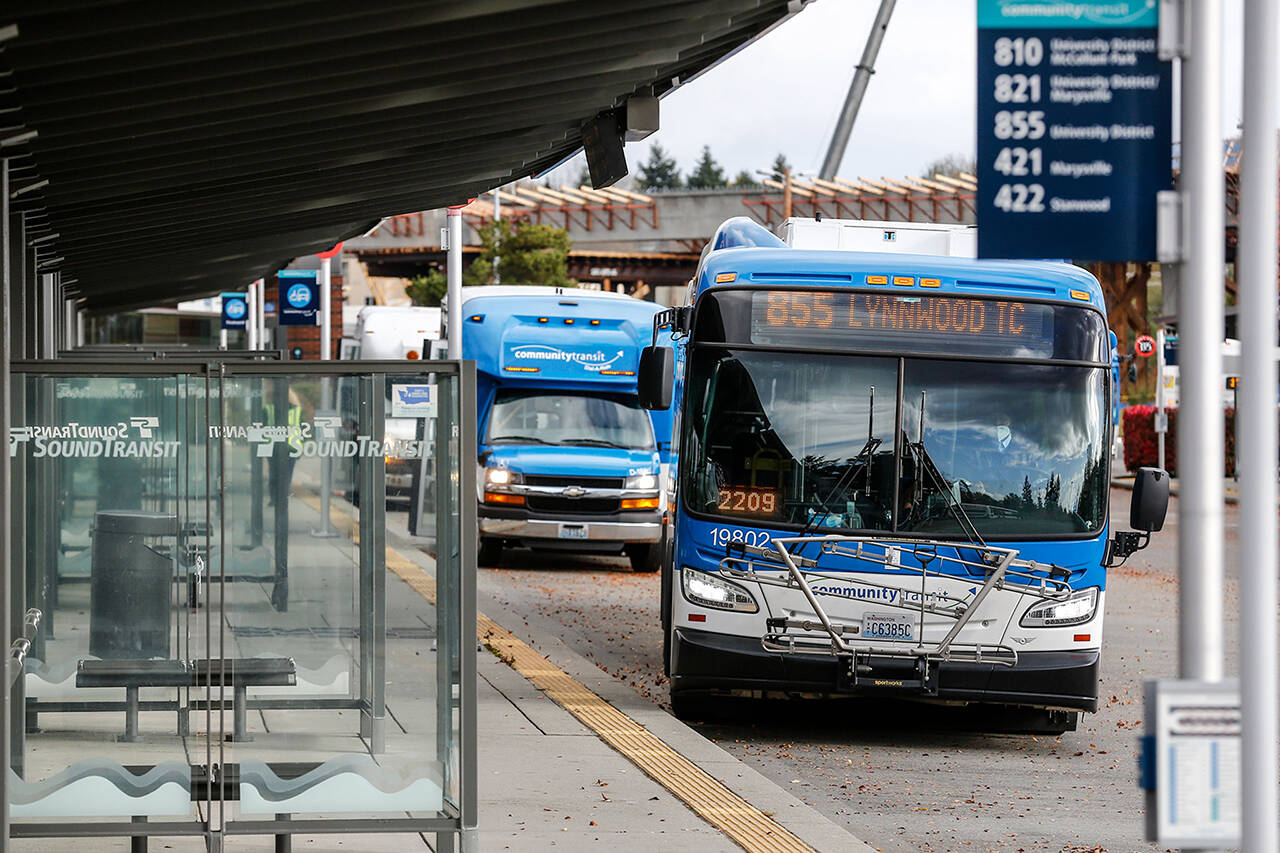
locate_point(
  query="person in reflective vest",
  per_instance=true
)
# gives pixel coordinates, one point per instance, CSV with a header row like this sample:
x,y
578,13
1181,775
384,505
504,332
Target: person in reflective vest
x,y
284,468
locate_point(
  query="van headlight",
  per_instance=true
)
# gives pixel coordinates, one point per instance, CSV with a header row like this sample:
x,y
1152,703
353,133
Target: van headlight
x,y
641,482
501,477
1076,610
706,590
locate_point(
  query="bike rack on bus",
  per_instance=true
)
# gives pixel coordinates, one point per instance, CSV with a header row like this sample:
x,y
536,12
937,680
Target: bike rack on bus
x,y
1000,568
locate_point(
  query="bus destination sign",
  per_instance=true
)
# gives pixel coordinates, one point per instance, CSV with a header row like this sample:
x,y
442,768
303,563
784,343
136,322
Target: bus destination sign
x,y
892,322
1074,129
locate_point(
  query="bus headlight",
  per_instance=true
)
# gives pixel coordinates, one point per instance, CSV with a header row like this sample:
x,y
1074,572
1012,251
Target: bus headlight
x,y
643,482
706,590
1075,610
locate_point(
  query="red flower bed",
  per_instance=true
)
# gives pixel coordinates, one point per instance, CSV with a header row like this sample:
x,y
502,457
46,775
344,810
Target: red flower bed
x,y
1140,439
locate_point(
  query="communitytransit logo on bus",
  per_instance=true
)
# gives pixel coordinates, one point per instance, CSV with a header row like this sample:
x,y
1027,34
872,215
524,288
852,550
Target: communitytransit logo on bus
x,y
134,438
592,361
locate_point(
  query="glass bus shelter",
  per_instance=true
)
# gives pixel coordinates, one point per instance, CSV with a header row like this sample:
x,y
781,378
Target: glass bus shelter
x,y
202,653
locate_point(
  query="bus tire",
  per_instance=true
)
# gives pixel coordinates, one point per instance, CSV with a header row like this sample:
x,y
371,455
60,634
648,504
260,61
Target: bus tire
x,y
645,557
691,706
490,551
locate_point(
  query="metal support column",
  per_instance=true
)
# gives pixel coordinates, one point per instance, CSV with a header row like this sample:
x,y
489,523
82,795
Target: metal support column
x,y
469,790
279,468
1200,423
454,284
1256,428
251,319
22,280
6,626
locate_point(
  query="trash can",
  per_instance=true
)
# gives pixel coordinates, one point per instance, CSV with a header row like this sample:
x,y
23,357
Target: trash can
x,y
130,585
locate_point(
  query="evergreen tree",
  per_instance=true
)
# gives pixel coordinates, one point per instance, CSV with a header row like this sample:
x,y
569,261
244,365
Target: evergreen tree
x,y
745,179
1028,500
428,289
526,253
780,164
706,173
659,172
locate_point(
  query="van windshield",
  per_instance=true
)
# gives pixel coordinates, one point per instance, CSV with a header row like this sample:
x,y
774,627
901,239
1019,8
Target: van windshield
x,y
568,419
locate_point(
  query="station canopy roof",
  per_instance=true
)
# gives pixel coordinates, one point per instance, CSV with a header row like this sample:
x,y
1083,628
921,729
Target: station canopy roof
x,y
182,149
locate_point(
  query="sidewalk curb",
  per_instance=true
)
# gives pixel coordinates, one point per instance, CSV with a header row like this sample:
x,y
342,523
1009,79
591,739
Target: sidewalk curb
x,y
801,819
806,822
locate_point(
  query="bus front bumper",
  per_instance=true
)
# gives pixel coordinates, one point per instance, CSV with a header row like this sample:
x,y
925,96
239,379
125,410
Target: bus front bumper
x,y
705,661
613,528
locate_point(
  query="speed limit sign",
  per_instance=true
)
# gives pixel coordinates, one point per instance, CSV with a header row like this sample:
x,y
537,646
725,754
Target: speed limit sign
x,y
1145,346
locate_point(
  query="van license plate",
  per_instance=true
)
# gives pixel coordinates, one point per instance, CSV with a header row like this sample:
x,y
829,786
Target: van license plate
x,y
889,626
573,531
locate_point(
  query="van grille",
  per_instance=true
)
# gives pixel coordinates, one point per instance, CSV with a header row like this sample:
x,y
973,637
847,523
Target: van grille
x,y
584,482
577,506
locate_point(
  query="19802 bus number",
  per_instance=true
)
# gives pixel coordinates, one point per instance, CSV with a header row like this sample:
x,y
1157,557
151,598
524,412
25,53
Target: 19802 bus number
x,y
724,535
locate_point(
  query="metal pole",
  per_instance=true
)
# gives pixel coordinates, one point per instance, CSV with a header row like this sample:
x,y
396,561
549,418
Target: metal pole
x,y
6,630
1256,426
1160,402
455,282
857,88
262,313
1200,422
326,394
497,217
251,321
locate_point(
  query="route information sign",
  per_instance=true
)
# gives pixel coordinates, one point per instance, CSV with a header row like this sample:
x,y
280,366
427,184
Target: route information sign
x,y
1074,129
1191,763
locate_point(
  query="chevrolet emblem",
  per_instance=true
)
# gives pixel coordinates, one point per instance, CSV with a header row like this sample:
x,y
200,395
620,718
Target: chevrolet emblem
x,y
574,492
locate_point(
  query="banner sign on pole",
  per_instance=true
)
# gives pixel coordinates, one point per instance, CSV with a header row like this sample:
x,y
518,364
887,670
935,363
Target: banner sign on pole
x,y
235,310
1074,129
299,298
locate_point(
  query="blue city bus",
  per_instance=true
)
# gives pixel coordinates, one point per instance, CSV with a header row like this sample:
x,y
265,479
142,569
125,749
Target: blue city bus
x,y
891,474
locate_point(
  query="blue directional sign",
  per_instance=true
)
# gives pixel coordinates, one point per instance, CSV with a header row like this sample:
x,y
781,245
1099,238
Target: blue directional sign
x,y
1074,129
235,310
299,298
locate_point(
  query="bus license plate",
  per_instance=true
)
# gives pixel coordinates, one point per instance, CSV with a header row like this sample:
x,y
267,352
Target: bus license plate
x,y
889,626
573,531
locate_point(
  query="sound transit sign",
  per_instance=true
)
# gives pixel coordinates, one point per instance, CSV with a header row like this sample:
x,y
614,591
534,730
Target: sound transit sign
x,y
1074,129
299,298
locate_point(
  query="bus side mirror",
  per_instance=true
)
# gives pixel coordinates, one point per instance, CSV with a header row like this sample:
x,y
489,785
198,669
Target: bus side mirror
x,y
1150,500
1133,371
655,377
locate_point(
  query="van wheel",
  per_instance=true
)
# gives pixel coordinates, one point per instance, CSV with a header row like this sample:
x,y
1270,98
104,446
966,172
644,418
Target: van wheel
x,y
645,557
490,552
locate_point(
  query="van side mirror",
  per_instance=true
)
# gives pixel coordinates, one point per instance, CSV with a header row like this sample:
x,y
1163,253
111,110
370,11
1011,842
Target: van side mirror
x,y
1133,371
1146,514
1150,499
656,377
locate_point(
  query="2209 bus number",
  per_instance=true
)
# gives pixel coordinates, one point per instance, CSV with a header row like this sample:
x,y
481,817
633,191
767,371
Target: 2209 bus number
x,y
748,500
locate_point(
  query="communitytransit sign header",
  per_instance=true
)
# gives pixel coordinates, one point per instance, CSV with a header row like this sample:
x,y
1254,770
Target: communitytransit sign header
x,y
1074,127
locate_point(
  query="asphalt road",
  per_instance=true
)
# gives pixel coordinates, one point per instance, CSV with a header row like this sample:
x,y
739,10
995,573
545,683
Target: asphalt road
x,y
907,778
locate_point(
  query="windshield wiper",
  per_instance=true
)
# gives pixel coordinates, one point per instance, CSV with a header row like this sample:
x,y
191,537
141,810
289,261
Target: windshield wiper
x,y
531,439
595,442
925,464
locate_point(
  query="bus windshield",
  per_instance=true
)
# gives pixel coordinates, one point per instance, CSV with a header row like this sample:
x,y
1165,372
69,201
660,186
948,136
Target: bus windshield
x,y
565,418
829,441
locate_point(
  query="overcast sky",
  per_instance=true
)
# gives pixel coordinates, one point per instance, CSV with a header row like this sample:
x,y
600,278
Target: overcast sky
x,y
783,92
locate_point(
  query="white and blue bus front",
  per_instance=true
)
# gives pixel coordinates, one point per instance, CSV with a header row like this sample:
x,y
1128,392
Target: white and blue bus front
x,y
932,436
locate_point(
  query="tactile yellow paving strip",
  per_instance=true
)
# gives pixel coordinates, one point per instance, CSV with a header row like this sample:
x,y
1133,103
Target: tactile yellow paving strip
x,y
723,809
